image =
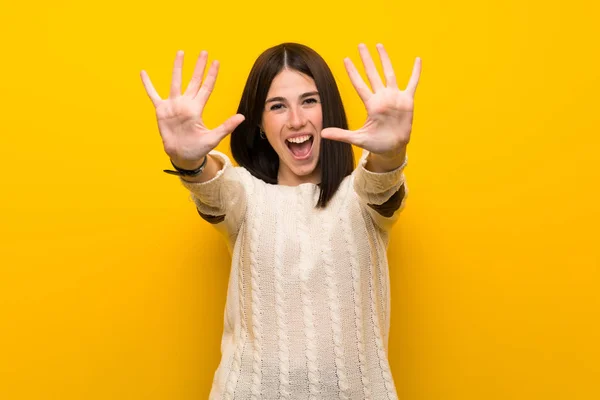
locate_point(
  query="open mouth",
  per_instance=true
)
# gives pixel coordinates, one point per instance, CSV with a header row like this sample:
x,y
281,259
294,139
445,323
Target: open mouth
x,y
300,146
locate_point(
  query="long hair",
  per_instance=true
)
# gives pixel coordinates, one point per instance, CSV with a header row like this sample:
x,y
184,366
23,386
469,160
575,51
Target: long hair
x,y
336,159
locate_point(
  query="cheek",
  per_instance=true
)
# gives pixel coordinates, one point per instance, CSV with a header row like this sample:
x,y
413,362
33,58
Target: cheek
x,y
272,123
317,118
272,126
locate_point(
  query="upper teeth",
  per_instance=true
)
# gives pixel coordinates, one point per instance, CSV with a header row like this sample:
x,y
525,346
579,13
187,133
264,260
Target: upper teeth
x,y
299,139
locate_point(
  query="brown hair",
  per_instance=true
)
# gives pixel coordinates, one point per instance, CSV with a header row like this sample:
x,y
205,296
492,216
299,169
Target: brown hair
x,y
336,159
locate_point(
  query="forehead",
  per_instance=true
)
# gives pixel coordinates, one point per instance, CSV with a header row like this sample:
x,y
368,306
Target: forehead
x,y
291,82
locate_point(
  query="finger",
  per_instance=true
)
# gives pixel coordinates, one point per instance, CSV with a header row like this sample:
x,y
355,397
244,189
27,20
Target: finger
x,y
228,126
357,81
342,135
194,85
209,84
388,70
414,78
370,69
176,80
150,88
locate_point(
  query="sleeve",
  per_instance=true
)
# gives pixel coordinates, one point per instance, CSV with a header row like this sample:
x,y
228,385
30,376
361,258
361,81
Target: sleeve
x,y
383,195
223,199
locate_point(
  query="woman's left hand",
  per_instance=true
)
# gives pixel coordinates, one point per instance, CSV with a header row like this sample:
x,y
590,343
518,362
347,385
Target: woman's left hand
x,y
389,110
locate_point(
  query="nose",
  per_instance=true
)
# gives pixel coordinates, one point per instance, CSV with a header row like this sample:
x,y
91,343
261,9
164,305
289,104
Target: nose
x,y
297,119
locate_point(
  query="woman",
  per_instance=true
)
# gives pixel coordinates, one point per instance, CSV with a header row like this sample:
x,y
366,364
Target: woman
x,y
308,302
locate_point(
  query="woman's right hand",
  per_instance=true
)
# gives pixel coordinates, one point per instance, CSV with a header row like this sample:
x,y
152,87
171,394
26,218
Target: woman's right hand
x,y
185,137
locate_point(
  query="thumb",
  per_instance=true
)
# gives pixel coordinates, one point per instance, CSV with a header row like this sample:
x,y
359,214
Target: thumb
x,y
228,126
342,135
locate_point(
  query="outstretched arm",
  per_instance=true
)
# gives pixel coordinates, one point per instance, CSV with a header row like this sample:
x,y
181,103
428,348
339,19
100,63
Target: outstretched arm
x,y
379,177
218,191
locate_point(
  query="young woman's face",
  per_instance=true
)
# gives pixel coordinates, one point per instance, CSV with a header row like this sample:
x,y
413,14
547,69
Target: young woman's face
x,y
292,121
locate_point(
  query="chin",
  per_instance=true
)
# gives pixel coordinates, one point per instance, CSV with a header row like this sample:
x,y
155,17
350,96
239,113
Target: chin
x,y
305,170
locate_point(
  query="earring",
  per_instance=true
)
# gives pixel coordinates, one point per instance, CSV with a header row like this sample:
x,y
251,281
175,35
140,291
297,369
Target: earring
x,y
262,134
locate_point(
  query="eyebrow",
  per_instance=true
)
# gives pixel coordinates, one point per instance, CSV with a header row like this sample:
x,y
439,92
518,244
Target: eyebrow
x,y
307,94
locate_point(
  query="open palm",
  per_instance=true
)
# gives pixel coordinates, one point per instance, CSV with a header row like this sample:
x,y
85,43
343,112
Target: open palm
x,y
389,110
185,137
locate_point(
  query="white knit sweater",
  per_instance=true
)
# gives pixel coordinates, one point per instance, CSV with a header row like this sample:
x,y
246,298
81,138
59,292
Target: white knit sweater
x,y
307,314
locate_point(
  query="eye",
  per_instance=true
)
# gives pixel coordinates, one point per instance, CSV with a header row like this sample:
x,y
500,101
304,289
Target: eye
x,y
311,100
275,107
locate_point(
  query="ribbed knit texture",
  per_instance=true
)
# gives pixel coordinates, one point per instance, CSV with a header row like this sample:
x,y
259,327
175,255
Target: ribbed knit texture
x,y
308,302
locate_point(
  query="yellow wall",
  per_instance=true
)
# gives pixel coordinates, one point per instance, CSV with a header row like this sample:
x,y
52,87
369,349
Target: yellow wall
x,y
111,287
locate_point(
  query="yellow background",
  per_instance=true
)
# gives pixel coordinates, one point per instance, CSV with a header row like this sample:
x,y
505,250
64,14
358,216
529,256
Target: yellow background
x,y
112,287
